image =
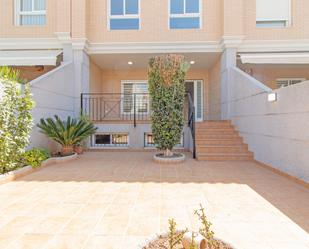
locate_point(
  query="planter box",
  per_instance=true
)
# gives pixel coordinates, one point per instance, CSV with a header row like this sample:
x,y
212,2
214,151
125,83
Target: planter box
x,y
156,236
12,175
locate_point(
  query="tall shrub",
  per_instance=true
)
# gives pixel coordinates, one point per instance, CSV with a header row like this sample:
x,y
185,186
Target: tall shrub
x,y
15,118
166,78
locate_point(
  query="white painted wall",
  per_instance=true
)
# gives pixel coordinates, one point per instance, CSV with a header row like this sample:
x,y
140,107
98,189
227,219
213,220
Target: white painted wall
x,y
53,93
277,132
136,134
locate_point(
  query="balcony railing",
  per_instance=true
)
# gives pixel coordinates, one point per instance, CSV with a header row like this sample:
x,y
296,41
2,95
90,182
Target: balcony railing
x,y
101,107
135,107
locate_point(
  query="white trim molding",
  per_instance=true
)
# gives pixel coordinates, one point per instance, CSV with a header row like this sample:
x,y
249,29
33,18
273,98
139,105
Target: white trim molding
x,y
231,41
275,58
64,37
153,47
295,45
29,43
29,57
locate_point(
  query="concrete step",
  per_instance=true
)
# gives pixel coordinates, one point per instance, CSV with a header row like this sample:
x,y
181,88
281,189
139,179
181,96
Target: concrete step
x,y
215,131
229,149
213,125
219,136
234,141
219,141
215,122
225,157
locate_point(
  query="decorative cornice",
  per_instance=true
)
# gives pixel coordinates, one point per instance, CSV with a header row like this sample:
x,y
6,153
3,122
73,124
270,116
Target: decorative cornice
x,y
80,44
238,42
296,45
64,37
275,58
29,43
153,47
231,41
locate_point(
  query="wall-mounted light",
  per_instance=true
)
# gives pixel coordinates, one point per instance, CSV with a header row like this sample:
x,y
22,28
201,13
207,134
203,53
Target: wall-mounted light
x,y
272,97
192,62
130,63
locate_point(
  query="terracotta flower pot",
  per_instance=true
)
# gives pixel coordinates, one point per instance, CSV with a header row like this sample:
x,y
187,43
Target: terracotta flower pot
x,y
78,149
67,150
199,241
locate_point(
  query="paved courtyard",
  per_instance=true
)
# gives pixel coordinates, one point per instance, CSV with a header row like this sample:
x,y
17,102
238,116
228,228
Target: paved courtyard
x,y
108,200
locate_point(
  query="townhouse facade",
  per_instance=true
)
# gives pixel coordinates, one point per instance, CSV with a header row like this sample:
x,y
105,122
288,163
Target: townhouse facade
x,y
91,56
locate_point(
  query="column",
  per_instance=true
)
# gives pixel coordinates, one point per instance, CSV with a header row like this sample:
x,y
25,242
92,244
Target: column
x,y
228,60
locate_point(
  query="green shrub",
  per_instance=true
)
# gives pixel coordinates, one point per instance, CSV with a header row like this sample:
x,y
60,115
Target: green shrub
x,y
166,79
15,119
35,157
174,237
67,133
205,230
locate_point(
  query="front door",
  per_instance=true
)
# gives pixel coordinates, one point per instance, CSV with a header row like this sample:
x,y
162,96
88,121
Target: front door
x,y
195,88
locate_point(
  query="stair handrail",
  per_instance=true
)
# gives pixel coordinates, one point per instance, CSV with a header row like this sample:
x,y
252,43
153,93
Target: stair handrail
x,y
191,121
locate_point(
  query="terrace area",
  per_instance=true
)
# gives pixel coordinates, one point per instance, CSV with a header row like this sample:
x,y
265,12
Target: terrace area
x,y
116,200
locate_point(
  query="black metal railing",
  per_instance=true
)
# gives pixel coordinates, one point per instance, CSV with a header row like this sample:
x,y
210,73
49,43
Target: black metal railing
x,y
116,106
102,107
191,121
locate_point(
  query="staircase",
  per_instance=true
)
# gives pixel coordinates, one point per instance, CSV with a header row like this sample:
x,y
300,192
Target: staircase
x,y
219,141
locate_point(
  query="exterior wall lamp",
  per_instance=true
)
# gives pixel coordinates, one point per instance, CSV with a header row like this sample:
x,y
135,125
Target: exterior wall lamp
x,y
272,97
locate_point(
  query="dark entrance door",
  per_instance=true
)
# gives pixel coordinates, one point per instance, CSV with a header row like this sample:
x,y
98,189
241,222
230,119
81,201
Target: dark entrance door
x,y
190,88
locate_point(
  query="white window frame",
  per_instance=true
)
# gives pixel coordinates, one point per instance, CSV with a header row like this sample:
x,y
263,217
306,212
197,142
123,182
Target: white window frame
x,y
110,145
33,12
123,16
170,15
195,98
288,80
288,23
272,24
178,146
122,93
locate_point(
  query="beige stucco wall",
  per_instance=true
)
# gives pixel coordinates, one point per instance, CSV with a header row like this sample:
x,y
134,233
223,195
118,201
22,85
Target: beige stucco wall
x,y
95,78
110,81
154,24
232,15
9,29
219,17
268,75
298,30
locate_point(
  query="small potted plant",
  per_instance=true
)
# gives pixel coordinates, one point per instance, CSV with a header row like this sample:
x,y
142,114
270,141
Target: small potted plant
x,y
67,133
78,148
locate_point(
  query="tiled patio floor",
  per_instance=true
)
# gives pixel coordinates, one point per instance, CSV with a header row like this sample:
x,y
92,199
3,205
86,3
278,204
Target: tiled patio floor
x,y
115,200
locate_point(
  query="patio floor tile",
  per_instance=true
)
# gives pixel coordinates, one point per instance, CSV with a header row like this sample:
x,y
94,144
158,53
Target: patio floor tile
x,y
116,200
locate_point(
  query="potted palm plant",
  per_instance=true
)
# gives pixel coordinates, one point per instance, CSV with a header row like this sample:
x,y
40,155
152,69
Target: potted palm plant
x,y
67,133
78,148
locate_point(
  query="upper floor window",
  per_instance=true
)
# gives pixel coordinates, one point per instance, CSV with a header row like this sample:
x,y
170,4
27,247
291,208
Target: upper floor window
x,y
30,12
184,14
273,13
124,15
